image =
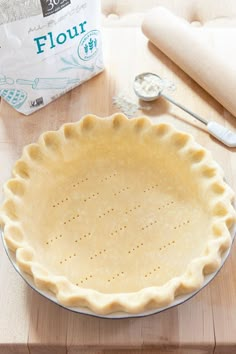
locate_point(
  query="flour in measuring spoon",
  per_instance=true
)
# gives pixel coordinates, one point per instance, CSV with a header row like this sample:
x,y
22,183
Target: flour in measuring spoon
x,y
148,85
127,102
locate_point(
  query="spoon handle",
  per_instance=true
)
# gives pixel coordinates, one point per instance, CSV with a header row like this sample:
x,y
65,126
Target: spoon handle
x,y
217,130
170,99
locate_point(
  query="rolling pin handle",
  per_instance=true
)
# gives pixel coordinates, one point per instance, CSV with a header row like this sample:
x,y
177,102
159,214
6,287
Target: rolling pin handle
x,y
24,82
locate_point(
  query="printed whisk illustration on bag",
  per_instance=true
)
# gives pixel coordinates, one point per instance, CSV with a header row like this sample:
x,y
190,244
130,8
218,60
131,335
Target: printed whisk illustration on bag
x,y
47,47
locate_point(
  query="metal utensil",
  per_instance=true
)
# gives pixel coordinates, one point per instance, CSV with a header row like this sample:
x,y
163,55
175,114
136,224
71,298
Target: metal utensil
x,y
149,87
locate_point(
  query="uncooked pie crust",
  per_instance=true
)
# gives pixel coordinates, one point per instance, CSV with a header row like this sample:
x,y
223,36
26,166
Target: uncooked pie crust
x,y
117,215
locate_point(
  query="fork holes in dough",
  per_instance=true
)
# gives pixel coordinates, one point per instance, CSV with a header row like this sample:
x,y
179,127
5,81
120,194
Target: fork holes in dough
x,y
99,253
147,226
115,276
152,272
170,243
106,212
132,209
135,248
117,231
184,223
54,239
84,236
107,178
72,218
69,258
148,189
59,202
84,279
92,196
122,190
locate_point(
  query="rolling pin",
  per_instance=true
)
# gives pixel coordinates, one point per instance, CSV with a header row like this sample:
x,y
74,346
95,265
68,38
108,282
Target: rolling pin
x,y
48,83
187,47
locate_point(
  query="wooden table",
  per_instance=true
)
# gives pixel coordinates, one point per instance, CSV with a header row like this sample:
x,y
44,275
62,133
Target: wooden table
x,y
205,324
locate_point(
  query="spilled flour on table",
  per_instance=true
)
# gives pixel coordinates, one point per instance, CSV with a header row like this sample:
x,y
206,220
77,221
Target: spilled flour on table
x,y
129,104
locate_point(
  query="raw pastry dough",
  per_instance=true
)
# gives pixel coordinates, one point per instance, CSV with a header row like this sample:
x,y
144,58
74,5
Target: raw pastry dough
x,y
117,214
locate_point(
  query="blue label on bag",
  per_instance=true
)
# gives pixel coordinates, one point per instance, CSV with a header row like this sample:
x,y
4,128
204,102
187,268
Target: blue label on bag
x,y
89,45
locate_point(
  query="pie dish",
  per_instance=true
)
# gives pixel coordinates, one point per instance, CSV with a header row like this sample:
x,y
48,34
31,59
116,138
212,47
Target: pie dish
x,y
117,214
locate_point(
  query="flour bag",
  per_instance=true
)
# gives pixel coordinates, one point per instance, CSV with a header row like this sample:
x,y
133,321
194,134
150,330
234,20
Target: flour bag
x,y
47,47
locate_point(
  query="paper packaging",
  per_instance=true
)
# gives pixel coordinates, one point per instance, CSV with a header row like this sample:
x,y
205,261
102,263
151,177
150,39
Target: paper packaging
x,y
184,45
47,47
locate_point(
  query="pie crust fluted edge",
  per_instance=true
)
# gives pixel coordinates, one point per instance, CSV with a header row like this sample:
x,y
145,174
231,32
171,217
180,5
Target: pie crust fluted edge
x,y
148,298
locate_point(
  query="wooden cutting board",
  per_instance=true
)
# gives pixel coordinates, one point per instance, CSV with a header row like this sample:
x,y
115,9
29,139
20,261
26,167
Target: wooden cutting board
x,y
206,323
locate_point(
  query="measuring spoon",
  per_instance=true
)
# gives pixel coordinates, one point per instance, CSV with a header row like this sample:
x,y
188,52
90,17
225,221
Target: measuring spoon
x,y
149,87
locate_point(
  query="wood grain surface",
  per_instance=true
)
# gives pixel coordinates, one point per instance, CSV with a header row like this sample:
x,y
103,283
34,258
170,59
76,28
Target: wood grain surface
x,y
30,324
